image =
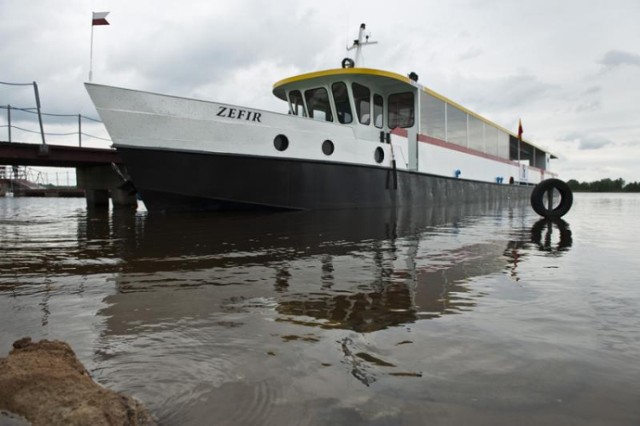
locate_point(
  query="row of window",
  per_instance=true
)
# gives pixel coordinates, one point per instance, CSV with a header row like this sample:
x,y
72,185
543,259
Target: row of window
x,y
446,122
401,110
439,119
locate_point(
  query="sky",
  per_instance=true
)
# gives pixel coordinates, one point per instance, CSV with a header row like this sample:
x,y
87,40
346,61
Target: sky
x,y
569,69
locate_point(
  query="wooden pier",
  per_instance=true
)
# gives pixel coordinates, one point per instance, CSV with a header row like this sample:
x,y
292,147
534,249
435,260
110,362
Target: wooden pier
x,y
96,175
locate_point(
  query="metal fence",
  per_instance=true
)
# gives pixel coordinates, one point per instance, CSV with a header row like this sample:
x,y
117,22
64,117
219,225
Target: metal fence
x,y
38,177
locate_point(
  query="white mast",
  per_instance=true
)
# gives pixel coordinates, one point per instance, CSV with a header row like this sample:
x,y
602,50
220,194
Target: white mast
x,y
357,44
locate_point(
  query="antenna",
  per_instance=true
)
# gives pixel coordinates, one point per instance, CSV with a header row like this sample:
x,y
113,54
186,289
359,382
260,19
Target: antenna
x,y
359,43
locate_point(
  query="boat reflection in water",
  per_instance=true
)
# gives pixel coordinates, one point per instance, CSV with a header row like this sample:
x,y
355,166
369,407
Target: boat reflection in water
x,y
357,270
271,318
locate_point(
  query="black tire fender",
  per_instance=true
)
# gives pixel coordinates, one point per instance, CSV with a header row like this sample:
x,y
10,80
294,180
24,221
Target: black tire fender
x,y
539,194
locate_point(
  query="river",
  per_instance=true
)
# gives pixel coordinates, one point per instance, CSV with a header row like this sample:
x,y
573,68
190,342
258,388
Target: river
x,y
477,315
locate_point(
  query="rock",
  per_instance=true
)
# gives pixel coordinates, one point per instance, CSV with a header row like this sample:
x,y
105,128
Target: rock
x,y
45,383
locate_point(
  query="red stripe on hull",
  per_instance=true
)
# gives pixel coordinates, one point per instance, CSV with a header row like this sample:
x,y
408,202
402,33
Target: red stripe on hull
x,y
444,144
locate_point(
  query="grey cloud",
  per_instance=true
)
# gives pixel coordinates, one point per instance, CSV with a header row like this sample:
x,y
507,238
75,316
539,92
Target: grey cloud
x,y
587,106
589,100
212,47
588,141
616,58
471,53
632,143
594,142
592,90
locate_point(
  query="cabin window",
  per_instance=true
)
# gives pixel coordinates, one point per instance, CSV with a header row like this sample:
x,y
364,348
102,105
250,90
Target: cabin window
x,y
401,110
491,140
432,116
318,104
476,133
503,144
456,125
341,99
297,106
378,111
362,99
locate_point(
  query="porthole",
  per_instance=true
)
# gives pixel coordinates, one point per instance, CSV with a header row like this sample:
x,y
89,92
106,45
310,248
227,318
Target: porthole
x,y
327,147
281,142
379,155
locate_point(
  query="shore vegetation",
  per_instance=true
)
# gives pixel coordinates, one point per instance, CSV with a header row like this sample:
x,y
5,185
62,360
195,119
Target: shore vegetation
x,y
604,185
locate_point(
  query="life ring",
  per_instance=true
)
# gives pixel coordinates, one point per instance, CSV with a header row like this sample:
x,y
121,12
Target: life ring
x,y
540,192
347,63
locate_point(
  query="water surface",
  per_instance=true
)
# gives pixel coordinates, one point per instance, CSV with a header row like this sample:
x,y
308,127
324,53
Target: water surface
x,y
476,315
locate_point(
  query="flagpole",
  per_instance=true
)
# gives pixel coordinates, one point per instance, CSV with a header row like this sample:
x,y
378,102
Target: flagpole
x,y
97,18
519,143
91,54
519,138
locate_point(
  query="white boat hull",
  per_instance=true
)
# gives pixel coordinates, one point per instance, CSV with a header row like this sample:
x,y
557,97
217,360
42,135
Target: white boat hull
x,y
185,154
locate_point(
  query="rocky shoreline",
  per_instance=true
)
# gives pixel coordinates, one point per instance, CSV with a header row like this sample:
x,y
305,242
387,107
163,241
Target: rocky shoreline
x,y
46,384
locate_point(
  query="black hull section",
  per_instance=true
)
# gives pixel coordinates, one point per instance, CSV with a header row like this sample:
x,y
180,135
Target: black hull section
x,y
185,181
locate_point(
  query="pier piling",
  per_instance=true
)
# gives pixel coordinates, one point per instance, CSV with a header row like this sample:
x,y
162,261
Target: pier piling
x,y
102,182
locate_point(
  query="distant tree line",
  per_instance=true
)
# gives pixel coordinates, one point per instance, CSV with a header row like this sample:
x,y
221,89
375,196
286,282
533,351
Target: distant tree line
x,y
604,185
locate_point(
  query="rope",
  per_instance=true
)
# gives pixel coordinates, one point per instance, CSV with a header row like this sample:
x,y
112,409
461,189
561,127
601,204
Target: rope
x,y
16,108
59,134
30,111
96,137
16,84
56,134
20,128
92,119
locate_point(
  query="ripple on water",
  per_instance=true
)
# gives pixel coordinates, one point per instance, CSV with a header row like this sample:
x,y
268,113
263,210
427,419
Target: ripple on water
x,y
194,362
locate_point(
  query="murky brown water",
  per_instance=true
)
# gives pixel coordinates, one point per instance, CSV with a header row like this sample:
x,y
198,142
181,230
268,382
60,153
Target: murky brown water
x,y
472,316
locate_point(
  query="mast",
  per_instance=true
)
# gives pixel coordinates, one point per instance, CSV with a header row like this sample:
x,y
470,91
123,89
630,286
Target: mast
x,y
359,43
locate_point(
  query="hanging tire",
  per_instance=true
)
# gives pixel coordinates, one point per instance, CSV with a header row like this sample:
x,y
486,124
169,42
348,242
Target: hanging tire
x,y
539,194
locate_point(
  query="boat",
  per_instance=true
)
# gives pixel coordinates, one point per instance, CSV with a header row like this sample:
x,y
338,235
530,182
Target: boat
x,y
351,137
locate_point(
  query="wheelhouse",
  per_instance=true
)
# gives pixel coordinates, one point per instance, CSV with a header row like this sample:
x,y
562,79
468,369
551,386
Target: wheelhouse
x,y
358,97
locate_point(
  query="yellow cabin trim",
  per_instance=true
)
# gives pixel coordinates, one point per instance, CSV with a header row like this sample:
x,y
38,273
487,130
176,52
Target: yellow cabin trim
x,y
341,71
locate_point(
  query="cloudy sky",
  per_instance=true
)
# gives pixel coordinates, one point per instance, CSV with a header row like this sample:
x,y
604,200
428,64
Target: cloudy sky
x,y
569,68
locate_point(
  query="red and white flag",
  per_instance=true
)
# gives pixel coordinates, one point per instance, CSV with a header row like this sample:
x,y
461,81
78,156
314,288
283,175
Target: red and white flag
x,y
100,18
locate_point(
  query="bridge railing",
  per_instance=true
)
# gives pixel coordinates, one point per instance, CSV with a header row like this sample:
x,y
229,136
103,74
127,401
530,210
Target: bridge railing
x,y
36,111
